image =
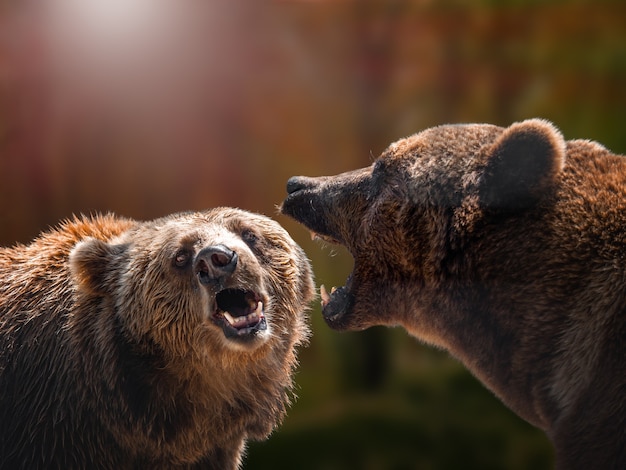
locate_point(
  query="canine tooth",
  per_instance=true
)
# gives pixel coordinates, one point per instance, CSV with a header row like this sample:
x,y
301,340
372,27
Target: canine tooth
x,y
313,235
332,290
259,309
324,295
229,317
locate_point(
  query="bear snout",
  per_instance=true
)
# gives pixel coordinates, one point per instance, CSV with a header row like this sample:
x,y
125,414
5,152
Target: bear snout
x,y
308,204
214,264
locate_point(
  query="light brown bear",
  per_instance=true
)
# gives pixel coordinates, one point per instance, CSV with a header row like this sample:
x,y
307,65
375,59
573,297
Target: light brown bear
x,y
505,246
162,344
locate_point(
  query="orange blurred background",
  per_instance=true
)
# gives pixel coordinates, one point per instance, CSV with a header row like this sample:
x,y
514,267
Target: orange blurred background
x,y
146,107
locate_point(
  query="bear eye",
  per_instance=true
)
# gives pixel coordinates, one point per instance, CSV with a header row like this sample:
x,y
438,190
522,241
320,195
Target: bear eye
x,y
182,258
249,237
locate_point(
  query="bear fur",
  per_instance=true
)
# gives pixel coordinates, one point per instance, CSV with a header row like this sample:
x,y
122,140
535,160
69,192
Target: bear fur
x,y
505,246
162,344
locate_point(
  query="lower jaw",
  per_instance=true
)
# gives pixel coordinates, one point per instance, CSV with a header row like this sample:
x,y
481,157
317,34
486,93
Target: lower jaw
x,y
336,306
244,338
246,334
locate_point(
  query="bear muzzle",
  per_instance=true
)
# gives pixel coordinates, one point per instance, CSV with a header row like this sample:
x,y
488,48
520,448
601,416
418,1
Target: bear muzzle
x,y
316,203
239,312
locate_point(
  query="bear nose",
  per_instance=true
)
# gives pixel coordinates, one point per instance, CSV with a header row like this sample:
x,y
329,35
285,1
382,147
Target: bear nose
x,y
298,183
214,263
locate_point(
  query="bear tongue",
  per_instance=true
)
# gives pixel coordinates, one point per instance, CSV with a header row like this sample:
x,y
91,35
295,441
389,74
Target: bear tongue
x,y
245,320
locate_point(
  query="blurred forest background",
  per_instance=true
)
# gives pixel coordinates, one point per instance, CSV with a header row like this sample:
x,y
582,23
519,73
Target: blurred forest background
x,y
146,107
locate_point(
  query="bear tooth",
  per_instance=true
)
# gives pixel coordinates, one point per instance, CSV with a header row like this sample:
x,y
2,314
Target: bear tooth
x,y
332,290
313,236
228,317
259,309
324,295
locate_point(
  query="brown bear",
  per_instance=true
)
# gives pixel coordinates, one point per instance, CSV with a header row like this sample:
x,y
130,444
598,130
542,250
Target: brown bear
x,y
505,246
161,344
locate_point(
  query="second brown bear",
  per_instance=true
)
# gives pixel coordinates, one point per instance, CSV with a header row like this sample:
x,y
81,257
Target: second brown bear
x,y
505,246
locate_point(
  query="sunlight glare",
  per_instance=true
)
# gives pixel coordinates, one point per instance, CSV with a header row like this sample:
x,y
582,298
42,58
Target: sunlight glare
x,y
110,24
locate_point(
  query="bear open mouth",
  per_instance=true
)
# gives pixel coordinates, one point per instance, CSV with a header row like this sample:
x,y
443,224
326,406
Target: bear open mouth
x,y
240,313
306,203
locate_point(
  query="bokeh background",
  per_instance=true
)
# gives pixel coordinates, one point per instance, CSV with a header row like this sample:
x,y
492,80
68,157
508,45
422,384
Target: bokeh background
x,y
146,107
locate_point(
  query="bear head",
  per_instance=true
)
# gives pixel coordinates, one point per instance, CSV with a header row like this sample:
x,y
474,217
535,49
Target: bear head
x,y
404,217
204,282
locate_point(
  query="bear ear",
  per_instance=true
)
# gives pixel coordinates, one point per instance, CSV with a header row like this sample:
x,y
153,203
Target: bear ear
x,y
92,264
522,163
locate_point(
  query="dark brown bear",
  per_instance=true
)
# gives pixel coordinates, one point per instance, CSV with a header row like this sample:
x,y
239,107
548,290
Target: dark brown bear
x,y
160,344
507,247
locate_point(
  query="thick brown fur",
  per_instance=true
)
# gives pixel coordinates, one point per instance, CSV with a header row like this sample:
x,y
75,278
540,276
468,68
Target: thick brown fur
x,y
112,354
505,246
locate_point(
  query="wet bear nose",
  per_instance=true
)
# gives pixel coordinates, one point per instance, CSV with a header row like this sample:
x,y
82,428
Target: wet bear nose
x,y
214,263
